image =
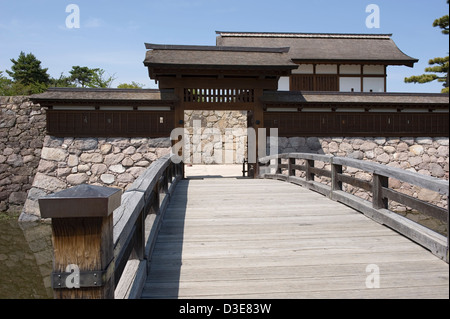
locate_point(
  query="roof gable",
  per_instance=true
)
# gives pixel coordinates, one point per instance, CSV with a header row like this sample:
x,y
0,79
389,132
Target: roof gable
x,y
368,48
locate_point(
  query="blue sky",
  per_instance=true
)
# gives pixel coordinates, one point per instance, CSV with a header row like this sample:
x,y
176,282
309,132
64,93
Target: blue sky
x,y
112,33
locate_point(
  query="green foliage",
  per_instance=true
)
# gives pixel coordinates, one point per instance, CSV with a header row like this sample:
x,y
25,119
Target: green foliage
x,y
93,78
133,85
63,82
5,85
100,80
442,23
81,75
28,77
27,70
438,66
9,87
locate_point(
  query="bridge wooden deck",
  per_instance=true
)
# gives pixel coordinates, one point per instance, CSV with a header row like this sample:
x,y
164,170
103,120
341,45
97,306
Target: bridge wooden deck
x,y
252,238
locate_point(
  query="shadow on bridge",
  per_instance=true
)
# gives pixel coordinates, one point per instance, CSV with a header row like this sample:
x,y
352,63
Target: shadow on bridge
x,y
165,264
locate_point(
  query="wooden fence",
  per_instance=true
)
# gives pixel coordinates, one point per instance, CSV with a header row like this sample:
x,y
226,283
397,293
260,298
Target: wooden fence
x,y
102,246
285,167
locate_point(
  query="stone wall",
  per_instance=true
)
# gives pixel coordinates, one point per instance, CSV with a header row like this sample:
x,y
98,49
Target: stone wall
x,y
22,131
213,129
423,155
34,165
111,162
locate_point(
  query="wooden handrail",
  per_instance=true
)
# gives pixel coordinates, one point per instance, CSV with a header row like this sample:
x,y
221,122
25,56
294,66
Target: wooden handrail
x,y
378,188
124,234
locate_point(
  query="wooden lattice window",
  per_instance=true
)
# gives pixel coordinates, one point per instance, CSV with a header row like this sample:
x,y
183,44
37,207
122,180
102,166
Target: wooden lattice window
x,y
229,95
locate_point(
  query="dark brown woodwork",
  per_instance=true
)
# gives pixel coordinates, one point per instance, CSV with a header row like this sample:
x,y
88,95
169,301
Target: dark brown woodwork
x,y
291,124
110,123
314,82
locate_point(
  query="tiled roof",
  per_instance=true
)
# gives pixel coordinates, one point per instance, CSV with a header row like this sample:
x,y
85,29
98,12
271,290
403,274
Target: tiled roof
x,y
103,95
218,57
376,48
274,97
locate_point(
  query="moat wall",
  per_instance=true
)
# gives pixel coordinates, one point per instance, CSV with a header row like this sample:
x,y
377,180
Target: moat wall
x,y
22,132
33,164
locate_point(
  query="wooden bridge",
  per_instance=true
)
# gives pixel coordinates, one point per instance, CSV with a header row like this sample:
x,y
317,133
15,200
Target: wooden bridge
x,y
171,237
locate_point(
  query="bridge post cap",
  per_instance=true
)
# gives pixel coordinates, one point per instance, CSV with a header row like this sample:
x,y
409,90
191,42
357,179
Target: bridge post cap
x,y
81,201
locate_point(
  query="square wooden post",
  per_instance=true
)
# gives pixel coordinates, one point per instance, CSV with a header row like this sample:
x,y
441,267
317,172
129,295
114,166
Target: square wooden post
x,y
309,173
378,201
83,247
291,166
336,184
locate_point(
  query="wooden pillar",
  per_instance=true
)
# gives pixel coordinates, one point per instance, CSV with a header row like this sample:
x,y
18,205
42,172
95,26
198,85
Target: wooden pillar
x,y
179,121
83,247
336,184
291,166
258,122
378,201
448,227
309,173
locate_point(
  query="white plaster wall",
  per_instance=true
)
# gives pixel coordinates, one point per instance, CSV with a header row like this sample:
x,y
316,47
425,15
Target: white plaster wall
x,y
347,83
304,69
326,69
350,69
373,69
283,83
374,84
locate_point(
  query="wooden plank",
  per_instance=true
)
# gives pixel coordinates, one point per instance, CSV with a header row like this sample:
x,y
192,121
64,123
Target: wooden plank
x,y
423,207
132,281
270,239
433,241
354,181
428,182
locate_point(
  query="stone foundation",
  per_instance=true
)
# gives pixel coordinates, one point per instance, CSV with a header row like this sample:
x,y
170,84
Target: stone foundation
x,y
214,128
34,165
22,131
111,162
423,155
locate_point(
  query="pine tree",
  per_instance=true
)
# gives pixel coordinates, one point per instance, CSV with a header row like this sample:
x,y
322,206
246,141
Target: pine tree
x,y
438,69
27,70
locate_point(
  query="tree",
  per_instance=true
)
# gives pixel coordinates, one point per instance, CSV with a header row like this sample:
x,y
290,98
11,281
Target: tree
x,y
28,71
438,66
100,80
5,85
81,75
93,78
133,85
63,81
9,87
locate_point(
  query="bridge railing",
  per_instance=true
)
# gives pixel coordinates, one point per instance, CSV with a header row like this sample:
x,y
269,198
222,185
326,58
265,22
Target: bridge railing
x,y
103,239
325,174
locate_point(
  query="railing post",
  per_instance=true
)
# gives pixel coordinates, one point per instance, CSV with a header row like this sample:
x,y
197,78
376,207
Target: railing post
x,y
82,231
139,244
309,174
336,184
278,169
378,201
154,209
291,164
